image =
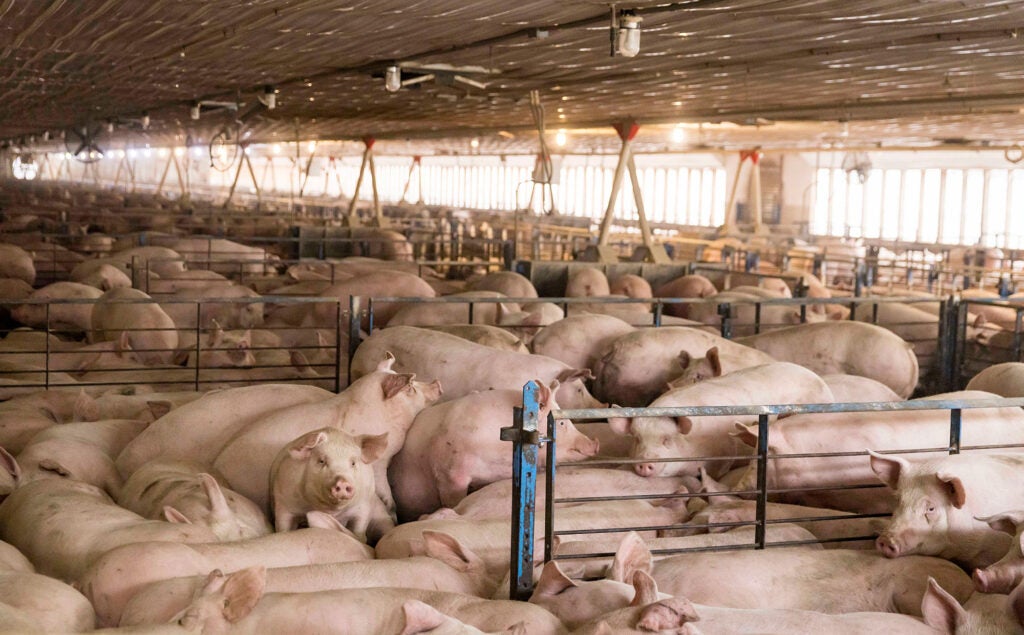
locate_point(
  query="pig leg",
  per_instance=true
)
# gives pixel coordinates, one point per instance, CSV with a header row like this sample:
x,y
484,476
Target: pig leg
x,y
284,519
380,476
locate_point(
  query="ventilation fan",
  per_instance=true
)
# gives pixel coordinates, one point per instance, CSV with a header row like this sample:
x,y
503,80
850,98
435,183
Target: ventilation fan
x,y
87,150
858,162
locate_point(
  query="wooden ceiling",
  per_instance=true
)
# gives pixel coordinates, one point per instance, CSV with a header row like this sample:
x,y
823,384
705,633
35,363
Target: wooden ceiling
x,y
779,73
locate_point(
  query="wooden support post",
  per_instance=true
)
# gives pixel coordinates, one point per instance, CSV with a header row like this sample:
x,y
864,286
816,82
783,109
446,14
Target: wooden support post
x,y
359,184
117,173
416,160
181,178
130,165
378,211
263,176
252,175
234,183
305,175
627,130
729,227
167,168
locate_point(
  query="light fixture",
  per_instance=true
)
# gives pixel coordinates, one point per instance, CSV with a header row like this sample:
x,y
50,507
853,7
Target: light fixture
x,y
560,139
46,135
311,146
110,125
392,78
625,33
194,110
145,120
197,152
269,97
120,154
131,153
179,151
474,143
276,148
678,134
162,153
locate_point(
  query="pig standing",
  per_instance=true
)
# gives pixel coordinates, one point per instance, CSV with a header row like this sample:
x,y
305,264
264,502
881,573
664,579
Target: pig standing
x,y
631,286
939,500
691,286
586,282
181,492
329,470
454,447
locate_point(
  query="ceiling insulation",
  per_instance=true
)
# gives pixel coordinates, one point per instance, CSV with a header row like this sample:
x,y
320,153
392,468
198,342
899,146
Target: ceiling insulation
x,y
783,73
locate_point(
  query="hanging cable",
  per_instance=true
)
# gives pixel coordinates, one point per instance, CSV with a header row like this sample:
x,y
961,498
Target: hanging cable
x,y
545,169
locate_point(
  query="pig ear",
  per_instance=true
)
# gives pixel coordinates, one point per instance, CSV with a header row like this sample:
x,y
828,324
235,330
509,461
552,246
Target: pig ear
x,y
744,434
242,590
159,408
666,615
570,374
180,357
215,336
519,628
957,493
940,610
323,520
393,384
684,425
10,464
631,556
620,425
684,359
301,449
124,342
1007,522
373,447
552,581
716,363
218,502
888,468
450,551
51,465
544,393
420,618
85,408
386,363
646,589
174,516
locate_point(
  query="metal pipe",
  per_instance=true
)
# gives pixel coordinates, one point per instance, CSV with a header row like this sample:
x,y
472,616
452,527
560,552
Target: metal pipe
x,y
762,480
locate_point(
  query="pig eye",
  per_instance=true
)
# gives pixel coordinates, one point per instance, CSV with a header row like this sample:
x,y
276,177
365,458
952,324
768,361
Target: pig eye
x,y
321,462
353,462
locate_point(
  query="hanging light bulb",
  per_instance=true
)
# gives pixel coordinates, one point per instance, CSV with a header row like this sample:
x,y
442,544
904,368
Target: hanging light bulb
x,y
311,146
110,125
392,78
194,110
269,97
628,36
678,134
163,152
197,152
145,120
560,139
474,143
179,151
276,148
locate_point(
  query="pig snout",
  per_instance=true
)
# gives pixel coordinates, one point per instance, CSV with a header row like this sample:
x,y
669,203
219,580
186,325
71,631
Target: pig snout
x,y
889,546
644,469
342,490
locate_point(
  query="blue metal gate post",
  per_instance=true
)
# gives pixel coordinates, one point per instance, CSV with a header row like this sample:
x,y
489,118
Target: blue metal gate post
x,y
549,488
526,440
762,481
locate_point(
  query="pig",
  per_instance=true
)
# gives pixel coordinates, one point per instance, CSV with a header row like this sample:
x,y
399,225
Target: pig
x,y
697,369
452,313
173,282
578,339
34,518
380,284
468,367
853,388
16,263
12,290
454,447
151,331
231,306
631,286
1006,574
586,282
21,418
797,578
81,451
329,470
148,259
218,254
635,369
142,407
677,615
982,613
690,286
938,500
1005,380
123,571
181,492
229,603
33,603
45,311
809,479
446,566
199,430
383,401
526,323
104,277
1003,316
743,311
512,284
492,336
682,437
917,327
847,347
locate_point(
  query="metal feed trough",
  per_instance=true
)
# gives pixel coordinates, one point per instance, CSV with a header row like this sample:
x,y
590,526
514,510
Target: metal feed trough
x,y
529,433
